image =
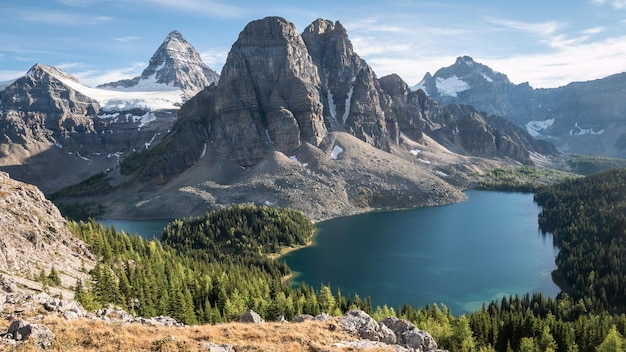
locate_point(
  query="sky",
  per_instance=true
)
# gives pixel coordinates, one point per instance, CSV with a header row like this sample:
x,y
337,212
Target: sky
x,y
546,43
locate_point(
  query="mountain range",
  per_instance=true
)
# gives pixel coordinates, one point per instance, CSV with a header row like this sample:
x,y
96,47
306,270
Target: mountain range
x,y
581,117
48,118
296,119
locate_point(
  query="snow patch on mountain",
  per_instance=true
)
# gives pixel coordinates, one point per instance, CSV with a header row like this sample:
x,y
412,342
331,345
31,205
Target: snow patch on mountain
x,y
336,151
487,78
578,131
536,128
421,85
451,86
124,100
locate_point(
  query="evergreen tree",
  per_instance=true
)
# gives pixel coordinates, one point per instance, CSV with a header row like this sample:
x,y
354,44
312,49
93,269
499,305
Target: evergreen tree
x,y
613,342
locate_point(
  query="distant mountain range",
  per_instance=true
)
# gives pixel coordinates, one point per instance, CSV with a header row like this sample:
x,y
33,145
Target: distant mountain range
x,y
295,119
581,117
48,118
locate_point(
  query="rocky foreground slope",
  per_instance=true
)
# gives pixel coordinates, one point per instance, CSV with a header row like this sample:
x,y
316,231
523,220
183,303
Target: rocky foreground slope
x,y
34,236
33,316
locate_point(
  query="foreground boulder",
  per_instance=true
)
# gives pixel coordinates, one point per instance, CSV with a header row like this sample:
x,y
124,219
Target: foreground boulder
x,y
20,330
409,335
359,323
251,317
401,334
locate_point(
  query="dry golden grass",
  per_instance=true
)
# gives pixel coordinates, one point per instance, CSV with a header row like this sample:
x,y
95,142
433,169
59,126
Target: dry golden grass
x,y
96,335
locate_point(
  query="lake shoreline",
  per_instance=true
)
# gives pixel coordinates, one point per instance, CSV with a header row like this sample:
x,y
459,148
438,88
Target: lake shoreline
x,y
408,238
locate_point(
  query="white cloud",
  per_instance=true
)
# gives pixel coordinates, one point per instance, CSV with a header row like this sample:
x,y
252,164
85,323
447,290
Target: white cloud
x,y
92,78
215,58
61,18
201,7
570,63
371,46
8,75
617,4
126,39
542,29
372,25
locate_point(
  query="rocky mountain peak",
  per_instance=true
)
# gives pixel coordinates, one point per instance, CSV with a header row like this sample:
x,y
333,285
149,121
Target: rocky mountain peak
x,y
40,106
463,75
268,95
350,88
174,64
38,72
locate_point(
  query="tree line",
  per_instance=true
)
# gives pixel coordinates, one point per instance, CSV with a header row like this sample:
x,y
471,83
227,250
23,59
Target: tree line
x,y
211,269
587,218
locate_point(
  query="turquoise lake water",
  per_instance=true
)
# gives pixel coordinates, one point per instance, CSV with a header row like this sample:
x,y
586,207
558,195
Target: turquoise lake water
x,y
460,255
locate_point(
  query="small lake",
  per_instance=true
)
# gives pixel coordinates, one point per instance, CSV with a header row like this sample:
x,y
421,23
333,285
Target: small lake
x,y
460,255
148,229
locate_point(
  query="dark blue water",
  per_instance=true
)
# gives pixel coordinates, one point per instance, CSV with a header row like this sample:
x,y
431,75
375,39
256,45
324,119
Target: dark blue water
x,y
460,255
148,229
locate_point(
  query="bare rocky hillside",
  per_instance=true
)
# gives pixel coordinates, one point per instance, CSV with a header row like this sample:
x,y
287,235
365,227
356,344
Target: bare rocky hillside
x,y
34,235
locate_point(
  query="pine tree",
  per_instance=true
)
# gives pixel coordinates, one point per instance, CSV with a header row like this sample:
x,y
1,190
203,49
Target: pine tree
x,y
54,276
613,342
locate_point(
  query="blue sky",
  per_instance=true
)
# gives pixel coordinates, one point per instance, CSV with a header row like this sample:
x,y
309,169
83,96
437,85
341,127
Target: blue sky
x,y
547,43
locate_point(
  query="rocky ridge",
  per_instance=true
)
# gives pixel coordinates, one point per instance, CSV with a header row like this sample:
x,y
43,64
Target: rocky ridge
x,y
581,117
48,118
36,321
301,121
286,113
41,107
35,236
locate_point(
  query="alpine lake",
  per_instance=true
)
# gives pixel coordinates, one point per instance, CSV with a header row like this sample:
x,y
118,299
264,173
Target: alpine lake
x,y
458,255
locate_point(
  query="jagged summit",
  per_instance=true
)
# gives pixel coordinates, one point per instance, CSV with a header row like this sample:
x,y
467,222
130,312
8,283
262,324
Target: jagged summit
x,y
175,64
463,75
37,71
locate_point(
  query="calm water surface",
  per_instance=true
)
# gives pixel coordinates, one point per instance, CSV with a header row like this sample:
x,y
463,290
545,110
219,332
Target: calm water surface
x,y
460,255
146,228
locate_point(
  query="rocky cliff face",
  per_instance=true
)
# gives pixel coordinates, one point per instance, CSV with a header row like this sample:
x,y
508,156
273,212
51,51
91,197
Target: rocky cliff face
x,y
268,94
582,117
471,83
350,90
39,106
53,134
461,128
301,121
35,235
175,64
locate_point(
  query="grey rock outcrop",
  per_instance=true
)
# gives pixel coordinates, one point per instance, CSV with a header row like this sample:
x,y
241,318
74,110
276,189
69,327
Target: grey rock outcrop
x,y
41,107
219,347
351,94
20,330
71,310
268,94
359,323
39,237
409,335
251,317
175,63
